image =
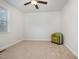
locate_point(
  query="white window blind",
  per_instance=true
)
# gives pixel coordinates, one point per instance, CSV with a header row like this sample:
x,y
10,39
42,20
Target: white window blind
x,y
3,20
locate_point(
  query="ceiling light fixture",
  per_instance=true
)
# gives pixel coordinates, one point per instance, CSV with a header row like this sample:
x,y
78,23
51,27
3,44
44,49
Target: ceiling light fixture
x,y
33,2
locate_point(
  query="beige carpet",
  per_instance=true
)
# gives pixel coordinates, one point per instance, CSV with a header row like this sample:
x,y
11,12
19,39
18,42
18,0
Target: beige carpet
x,y
36,50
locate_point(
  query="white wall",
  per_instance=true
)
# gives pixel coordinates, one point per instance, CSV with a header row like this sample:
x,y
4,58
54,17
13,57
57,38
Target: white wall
x,y
39,26
69,26
15,27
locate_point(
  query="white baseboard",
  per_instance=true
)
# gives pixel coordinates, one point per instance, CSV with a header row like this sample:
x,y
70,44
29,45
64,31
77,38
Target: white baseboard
x,y
38,39
6,46
73,52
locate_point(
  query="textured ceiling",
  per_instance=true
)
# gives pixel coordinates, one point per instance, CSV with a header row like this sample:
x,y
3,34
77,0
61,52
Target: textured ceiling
x,y
53,5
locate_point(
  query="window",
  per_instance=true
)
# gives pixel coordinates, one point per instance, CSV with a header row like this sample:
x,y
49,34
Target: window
x,y
3,20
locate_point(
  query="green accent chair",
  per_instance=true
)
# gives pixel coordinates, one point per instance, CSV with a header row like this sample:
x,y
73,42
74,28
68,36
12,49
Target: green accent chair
x,y
57,38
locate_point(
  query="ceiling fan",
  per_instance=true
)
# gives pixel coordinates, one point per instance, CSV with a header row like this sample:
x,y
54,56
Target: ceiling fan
x,y
35,3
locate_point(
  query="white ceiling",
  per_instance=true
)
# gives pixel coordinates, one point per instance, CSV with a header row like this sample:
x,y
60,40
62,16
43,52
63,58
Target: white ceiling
x,y
53,5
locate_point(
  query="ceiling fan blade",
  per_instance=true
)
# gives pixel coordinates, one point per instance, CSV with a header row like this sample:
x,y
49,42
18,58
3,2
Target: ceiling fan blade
x,y
27,3
36,6
42,2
